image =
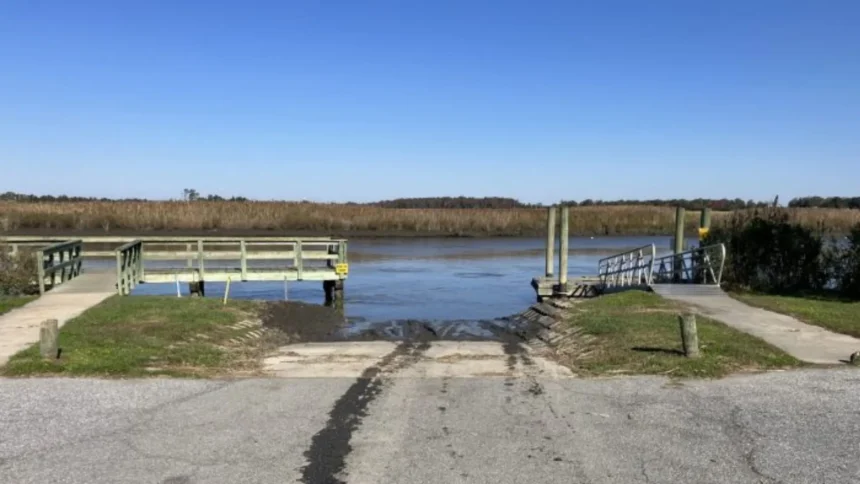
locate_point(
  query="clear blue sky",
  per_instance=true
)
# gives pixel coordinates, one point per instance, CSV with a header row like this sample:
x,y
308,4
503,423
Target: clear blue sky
x,y
366,100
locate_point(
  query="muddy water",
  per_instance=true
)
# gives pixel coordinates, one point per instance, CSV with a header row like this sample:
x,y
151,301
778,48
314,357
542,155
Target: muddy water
x,y
450,280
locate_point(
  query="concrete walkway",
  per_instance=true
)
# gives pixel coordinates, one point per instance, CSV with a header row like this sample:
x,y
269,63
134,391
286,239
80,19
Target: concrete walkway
x,y
19,328
805,342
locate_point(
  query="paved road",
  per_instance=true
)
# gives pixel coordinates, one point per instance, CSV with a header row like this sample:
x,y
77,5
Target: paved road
x,y
385,427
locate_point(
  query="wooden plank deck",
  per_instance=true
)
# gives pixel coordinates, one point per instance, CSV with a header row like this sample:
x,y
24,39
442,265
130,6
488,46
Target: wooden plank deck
x,y
19,328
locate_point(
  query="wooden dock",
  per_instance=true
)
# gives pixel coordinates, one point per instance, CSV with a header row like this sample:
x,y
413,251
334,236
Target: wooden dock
x,y
67,290
192,260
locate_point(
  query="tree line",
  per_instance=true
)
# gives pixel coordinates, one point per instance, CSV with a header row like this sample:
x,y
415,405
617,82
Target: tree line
x,y
723,204
825,202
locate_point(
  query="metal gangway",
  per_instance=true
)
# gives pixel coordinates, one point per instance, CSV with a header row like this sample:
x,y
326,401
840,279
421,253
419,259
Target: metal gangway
x,y
641,268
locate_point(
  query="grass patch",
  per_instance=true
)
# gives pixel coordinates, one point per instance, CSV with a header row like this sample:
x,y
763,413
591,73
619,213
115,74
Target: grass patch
x,y
637,332
842,316
8,303
147,336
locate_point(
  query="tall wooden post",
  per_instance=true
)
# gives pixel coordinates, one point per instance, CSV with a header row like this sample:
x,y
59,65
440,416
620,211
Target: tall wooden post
x,y
680,215
562,251
550,241
705,220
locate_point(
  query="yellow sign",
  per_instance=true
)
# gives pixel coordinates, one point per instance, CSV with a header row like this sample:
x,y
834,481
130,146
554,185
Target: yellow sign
x,y
703,232
341,269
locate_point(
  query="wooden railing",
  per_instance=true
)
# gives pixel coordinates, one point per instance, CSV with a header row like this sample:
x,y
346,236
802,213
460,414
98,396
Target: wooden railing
x,y
63,259
129,267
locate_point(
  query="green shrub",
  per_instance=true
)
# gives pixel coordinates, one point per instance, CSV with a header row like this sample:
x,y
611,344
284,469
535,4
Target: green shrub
x,y
17,272
768,253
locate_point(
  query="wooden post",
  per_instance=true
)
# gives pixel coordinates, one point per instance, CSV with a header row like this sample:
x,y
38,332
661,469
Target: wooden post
x,y
141,275
48,334
53,272
705,220
40,271
188,249
550,241
680,215
227,291
243,254
119,274
562,252
298,260
200,260
62,257
689,335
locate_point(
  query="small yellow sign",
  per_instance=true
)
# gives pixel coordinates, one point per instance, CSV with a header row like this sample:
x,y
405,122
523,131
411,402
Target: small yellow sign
x,y
341,269
703,232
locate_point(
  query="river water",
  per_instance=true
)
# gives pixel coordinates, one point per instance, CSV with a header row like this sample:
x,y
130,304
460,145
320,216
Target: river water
x,y
439,279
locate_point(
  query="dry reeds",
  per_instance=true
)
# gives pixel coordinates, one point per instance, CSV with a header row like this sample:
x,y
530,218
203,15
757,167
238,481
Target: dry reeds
x,y
200,216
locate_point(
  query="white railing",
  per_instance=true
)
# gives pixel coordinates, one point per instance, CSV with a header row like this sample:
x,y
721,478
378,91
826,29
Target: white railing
x,y
631,268
702,265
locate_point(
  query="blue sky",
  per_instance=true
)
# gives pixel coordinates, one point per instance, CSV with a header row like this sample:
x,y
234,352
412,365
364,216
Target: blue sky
x,y
347,100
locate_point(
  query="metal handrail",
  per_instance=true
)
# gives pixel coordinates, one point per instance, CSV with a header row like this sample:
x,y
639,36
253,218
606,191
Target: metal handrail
x,y
634,267
692,266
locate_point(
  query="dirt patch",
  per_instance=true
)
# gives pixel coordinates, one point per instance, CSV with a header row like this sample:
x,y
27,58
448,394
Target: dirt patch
x,y
299,322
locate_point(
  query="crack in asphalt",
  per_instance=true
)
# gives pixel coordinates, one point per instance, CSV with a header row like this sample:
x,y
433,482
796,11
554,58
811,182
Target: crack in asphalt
x,y
326,457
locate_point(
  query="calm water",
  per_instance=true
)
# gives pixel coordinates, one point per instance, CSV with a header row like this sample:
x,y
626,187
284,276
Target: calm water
x,y
436,279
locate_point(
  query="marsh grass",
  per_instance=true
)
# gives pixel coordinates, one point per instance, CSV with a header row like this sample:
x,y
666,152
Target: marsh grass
x,y
349,219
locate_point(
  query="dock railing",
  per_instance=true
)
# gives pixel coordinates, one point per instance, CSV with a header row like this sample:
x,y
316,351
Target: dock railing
x,y
129,267
631,268
702,265
61,259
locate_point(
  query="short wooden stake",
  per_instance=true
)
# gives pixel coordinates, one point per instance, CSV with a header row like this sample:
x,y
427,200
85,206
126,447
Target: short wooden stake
x,y
689,335
48,334
227,291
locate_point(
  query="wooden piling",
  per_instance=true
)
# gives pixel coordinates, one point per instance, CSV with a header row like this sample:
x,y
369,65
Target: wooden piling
x,y
680,215
562,253
689,335
705,220
550,241
49,332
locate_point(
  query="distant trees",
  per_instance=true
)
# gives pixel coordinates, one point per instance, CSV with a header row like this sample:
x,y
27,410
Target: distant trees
x,y
722,204
190,194
825,202
451,202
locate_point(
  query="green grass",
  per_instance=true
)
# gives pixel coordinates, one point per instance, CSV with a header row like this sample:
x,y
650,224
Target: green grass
x,y
637,332
8,303
836,315
146,336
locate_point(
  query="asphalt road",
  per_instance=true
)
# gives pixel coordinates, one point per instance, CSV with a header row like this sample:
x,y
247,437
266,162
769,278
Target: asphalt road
x,y
801,426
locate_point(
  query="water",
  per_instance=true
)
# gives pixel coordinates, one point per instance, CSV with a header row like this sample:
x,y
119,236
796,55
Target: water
x,y
435,279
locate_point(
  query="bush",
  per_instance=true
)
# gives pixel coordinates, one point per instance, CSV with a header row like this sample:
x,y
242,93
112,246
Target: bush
x,y
17,272
845,263
768,253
